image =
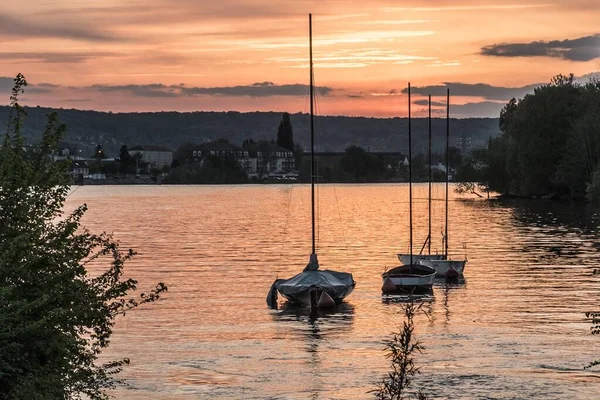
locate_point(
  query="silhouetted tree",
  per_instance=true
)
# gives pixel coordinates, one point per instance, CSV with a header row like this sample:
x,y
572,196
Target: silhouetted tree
x,y
361,165
298,156
593,190
455,158
285,135
125,159
124,155
184,153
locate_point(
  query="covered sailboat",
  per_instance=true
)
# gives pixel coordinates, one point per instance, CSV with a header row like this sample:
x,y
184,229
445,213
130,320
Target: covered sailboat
x,y
412,277
446,268
313,287
316,288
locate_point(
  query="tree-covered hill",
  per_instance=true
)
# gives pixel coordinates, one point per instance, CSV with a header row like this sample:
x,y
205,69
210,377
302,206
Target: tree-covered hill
x,y
172,129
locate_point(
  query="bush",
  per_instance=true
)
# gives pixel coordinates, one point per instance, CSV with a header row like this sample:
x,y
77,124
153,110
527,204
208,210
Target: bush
x,y
593,188
55,319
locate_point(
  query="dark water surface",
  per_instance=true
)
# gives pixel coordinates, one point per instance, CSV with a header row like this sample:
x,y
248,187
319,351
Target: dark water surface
x,y
515,330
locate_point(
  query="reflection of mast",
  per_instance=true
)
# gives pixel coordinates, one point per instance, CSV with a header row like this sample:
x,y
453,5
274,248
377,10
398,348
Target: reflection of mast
x,y
446,308
321,323
315,359
447,289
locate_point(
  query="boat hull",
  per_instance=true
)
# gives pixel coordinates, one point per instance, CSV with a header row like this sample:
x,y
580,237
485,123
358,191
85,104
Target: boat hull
x,y
446,268
314,288
317,297
417,258
414,278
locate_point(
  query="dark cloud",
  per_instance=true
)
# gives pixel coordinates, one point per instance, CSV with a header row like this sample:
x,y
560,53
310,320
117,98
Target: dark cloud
x,y
258,89
6,83
483,109
263,84
47,85
150,90
482,90
161,11
479,109
425,102
588,77
11,26
77,100
264,89
31,89
582,49
48,57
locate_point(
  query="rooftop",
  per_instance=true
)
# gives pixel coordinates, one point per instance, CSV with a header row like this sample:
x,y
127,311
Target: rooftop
x,y
149,148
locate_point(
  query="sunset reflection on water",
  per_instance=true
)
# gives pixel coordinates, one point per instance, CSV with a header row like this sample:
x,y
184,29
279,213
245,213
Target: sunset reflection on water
x,y
514,329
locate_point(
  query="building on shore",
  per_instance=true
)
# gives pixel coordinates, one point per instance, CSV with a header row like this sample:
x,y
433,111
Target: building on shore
x,y
80,168
156,156
464,144
260,161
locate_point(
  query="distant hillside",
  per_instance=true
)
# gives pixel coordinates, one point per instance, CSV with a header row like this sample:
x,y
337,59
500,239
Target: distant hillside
x,y
172,129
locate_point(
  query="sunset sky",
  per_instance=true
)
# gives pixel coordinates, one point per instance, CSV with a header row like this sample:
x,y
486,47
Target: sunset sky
x,y
248,55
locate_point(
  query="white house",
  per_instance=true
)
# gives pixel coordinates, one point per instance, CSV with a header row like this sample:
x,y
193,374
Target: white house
x,y
80,167
156,156
272,161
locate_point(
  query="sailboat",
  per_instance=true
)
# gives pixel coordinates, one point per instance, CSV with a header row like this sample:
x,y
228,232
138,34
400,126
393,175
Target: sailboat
x,y
406,259
313,287
412,277
445,267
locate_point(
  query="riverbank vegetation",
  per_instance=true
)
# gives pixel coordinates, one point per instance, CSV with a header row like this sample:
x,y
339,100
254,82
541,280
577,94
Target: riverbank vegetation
x,y
55,316
401,350
549,145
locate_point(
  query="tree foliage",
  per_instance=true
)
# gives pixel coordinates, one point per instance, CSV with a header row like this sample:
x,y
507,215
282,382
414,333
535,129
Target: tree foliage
x,y
99,152
212,170
285,133
593,189
595,320
550,142
55,317
362,166
173,129
126,162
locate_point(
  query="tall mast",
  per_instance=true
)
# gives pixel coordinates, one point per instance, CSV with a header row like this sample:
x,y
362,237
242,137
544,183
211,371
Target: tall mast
x,y
312,136
410,175
447,162
430,177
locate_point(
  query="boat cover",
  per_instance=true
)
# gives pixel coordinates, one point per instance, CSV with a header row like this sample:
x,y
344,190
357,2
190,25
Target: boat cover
x,y
335,283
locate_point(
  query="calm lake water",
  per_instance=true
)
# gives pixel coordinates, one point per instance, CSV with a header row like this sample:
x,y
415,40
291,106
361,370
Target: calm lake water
x,y
515,330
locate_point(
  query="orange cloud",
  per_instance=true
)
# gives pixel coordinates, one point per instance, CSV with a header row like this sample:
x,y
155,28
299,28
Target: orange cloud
x,y
367,47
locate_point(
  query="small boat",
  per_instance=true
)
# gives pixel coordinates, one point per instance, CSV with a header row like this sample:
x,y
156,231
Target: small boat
x,y
444,267
417,258
412,277
312,287
415,278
